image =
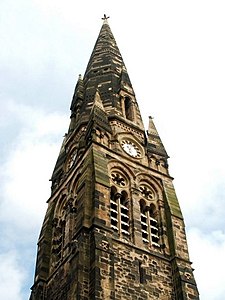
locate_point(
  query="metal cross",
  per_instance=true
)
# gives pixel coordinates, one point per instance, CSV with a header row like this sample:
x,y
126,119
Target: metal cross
x,y
104,17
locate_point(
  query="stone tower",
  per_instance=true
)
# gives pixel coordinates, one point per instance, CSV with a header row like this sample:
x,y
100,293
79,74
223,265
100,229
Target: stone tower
x,y
113,227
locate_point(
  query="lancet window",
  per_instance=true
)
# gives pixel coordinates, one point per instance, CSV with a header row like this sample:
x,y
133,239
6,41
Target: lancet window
x,y
128,108
58,239
149,224
62,225
119,211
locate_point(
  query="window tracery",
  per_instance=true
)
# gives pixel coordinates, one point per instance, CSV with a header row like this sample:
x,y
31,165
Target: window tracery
x,y
118,179
146,192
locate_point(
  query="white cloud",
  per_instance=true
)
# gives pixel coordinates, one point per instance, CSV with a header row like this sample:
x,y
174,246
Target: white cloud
x,y
34,152
11,277
207,252
25,189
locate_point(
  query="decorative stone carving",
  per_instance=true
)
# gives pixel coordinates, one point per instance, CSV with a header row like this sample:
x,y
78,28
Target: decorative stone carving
x,y
104,245
118,179
146,192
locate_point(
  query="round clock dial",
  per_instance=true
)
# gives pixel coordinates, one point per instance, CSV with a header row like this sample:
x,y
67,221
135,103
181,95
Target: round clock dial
x,y
131,148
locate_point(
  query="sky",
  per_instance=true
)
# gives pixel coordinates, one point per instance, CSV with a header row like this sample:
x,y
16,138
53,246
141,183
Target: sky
x,y
174,54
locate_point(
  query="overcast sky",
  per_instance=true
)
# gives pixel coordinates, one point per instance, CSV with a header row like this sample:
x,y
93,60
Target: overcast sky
x,y
175,55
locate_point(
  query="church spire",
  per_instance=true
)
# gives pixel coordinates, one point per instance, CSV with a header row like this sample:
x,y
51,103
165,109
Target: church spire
x,y
113,227
106,71
105,53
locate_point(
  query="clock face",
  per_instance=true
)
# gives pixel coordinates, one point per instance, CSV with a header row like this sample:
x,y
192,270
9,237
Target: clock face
x,y
130,148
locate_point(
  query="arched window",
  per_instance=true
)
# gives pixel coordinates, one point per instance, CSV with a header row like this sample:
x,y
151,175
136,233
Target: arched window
x,y
144,222
58,239
149,224
124,213
114,209
63,225
128,108
119,211
154,226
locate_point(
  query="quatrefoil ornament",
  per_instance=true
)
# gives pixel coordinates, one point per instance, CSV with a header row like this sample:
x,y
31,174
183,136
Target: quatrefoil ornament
x,y
118,179
146,192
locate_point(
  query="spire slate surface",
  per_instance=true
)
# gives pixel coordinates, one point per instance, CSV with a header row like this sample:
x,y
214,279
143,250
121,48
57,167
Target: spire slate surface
x,y
105,71
105,54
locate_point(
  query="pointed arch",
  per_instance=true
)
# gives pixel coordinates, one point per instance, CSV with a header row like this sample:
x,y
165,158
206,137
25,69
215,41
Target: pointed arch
x,y
150,191
123,168
60,203
74,183
153,182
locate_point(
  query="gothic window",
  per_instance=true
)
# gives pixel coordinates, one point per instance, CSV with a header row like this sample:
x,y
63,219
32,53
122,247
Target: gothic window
x,y
149,224
144,222
58,239
63,225
128,108
124,217
114,209
119,211
154,226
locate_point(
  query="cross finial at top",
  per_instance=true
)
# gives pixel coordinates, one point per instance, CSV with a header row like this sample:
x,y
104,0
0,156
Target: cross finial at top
x,y
104,17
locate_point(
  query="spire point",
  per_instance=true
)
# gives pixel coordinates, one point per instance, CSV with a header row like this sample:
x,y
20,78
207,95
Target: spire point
x,y
105,18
